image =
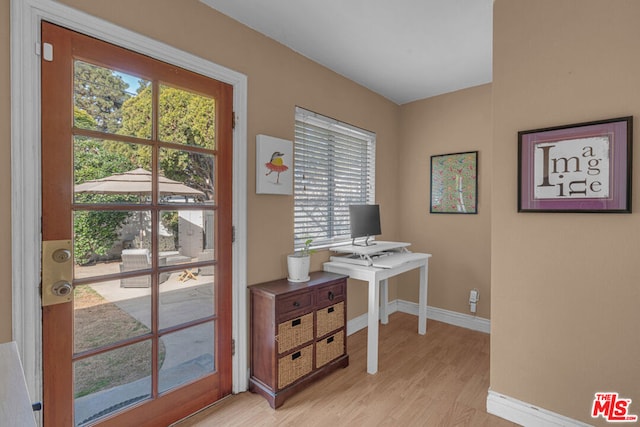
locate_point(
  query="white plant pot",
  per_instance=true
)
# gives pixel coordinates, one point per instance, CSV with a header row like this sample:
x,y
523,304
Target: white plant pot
x,y
298,267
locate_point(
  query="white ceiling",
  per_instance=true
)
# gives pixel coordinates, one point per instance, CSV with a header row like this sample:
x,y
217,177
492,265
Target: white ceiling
x,y
402,49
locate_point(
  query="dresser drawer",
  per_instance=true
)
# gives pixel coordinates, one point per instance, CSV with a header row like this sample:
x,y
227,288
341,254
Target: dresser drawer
x,y
288,305
328,295
329,319
295,366
295,332
329,349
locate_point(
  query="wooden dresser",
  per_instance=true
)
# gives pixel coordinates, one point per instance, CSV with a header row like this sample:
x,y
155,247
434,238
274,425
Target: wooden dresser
x,y
298,333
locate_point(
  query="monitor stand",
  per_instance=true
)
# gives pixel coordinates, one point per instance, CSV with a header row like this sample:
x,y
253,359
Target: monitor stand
x,y
370,249
365,243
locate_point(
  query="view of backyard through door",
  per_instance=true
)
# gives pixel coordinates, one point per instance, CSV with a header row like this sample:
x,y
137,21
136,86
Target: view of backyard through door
x,y
137,176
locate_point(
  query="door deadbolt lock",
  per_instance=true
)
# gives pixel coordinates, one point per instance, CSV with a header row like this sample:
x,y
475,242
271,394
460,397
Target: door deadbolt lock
x,y
57,272
61,255
61,288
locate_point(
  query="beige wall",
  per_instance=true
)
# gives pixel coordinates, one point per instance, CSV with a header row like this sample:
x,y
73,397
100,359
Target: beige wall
x,y
5,175
565,287
278,80
460,244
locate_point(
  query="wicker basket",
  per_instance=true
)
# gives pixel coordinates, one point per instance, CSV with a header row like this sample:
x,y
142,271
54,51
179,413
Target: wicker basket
x,y
330,319
295,332
329,348
294,366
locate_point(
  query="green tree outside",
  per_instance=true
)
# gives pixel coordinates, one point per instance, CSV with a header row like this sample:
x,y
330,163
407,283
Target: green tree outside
x,y
184,118
95,231
102,103
100,93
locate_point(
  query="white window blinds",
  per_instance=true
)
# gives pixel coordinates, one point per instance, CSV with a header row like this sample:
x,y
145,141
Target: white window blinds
x,y
334,167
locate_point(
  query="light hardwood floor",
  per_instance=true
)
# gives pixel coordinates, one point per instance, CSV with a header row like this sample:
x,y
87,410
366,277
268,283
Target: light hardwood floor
x,y
437,379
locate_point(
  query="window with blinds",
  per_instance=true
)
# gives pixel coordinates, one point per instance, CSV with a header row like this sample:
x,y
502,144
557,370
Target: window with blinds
x,y
334,167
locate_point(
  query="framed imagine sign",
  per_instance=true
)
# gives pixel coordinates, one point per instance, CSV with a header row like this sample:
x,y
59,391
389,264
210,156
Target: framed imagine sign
x,y
584,167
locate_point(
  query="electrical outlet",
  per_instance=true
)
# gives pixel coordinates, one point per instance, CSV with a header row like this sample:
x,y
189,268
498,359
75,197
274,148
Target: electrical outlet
x,y
474,296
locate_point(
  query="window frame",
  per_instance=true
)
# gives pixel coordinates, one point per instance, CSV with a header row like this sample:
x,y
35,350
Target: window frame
x,y
339,136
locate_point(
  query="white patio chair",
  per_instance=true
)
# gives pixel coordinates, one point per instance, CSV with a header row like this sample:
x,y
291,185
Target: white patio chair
x,y
132,260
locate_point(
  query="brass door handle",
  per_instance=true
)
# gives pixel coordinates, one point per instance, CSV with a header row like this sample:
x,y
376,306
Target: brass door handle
x,y
61,288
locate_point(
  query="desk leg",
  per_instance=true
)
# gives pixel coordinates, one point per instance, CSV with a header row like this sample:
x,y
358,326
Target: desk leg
x,y
384,300
372,326
422,299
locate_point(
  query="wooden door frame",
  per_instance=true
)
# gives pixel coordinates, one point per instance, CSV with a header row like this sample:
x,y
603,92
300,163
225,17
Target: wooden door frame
x,y
26,16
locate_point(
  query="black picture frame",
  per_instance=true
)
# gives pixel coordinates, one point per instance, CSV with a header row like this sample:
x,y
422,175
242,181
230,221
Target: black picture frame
x,y
454,183
577,168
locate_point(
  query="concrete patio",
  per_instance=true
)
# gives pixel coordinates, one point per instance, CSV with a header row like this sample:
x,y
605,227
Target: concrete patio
x,y
188,353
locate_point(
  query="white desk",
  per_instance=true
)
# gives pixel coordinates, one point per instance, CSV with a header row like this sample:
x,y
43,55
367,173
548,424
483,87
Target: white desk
x,y
376,277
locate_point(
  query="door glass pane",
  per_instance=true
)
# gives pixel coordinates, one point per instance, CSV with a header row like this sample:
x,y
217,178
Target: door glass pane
x,y
184,300
109,242
186,117
110,101
189,356
111,381
186,177
111,172
186,236
187,294
105,313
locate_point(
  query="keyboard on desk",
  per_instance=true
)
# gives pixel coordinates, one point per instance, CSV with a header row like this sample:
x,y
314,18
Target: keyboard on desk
x,y
352,259
381,260
395,259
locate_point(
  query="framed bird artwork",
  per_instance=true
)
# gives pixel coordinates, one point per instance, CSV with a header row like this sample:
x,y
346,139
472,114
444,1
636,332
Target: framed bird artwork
x,y
274,165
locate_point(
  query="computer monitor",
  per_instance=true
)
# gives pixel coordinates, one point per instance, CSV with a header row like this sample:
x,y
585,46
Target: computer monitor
x,y
364,221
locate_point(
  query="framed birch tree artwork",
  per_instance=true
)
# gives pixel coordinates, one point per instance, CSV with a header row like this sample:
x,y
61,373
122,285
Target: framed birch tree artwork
x,y
454,183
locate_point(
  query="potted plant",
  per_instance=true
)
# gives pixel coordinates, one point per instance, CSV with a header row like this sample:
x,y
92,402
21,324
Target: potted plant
x,y
298,263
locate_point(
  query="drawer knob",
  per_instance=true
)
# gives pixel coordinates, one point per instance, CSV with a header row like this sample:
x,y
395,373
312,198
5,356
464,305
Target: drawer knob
x,y
331,296
296,304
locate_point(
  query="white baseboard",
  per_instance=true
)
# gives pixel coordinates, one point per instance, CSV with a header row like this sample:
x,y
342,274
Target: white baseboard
x,y
526,414
354,325
451,317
